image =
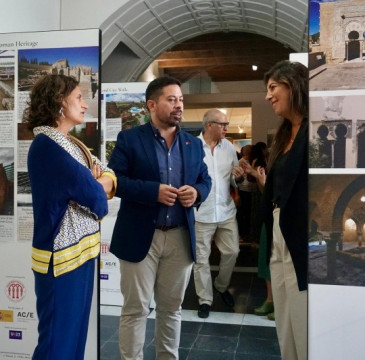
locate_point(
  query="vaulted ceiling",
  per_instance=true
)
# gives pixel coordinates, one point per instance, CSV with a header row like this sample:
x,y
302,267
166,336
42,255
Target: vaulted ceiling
x,y
222,37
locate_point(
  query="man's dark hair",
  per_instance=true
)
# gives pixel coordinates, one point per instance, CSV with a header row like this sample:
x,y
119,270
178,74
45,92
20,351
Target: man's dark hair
x,y
154,88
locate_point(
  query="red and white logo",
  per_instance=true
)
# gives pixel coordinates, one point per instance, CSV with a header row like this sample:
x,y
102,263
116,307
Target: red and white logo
x,y
15,290
104,248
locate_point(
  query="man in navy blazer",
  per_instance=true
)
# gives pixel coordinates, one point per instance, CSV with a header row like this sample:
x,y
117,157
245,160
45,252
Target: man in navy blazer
x,y
161,177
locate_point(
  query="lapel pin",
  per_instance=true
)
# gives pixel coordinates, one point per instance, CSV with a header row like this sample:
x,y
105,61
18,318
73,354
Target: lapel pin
x,y
187,143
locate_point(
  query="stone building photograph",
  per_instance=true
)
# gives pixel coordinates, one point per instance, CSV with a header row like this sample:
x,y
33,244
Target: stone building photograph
x,y
337,229
337,131
337,49
81,63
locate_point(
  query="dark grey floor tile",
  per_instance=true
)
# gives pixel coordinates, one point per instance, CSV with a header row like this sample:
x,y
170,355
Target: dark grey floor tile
x,y
109,321
258,346
196,354
216,343
149,338
109,328
110,351
256,357
150,326
191,327
108,334
187,340
207,341
183,354
259,332
220,329
149,353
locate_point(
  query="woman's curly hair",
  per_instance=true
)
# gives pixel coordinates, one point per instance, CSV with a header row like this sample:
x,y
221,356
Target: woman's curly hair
x,y
46,97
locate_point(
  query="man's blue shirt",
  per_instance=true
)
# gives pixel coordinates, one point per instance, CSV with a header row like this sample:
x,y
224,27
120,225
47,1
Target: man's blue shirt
x,y
170,164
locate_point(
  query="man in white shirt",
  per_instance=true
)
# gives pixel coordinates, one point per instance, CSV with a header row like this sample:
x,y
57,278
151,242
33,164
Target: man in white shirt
x,y
216,216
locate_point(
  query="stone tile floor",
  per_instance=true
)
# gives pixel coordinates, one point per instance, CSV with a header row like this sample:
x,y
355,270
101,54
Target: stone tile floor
x,y
227,334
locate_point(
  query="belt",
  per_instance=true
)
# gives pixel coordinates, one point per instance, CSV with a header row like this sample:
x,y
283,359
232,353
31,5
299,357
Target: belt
x,y
166,228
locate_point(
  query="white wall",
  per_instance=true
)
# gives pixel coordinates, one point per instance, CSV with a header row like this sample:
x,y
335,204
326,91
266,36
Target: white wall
x,y
44,15
26,15
87,14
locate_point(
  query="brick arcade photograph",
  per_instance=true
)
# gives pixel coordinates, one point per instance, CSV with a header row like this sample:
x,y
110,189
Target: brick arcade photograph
x,y
337,130
337,229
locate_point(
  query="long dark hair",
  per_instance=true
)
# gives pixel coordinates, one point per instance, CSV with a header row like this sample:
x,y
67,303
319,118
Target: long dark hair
x,y
46,98
295,76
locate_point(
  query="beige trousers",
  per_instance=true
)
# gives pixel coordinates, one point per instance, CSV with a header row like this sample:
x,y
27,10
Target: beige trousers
x,y
290,303
165,272
225,236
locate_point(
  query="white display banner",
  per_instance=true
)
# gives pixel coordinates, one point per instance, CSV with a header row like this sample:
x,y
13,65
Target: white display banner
x,y
123,107
24,57
336,317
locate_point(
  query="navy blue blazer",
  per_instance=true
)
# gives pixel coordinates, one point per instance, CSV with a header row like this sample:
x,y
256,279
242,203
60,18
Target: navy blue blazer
x,y
135,164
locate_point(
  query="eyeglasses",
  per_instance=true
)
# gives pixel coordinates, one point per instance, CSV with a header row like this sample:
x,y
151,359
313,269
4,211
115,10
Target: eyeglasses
x,y
221,124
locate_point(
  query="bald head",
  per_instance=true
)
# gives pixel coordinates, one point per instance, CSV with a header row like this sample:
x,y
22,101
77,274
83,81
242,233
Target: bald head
x,y
215,125
213,115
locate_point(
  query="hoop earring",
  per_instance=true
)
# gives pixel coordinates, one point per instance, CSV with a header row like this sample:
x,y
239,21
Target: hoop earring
x,y
61,113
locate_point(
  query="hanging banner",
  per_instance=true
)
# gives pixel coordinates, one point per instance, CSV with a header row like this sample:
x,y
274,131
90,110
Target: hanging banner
x,y
24,58
123,107
337,180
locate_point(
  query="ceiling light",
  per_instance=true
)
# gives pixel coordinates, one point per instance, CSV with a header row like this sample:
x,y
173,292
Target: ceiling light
x,y
254,67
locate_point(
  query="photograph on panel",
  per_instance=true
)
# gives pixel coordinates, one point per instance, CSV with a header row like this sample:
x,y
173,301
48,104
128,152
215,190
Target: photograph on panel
x,y
25,222
23,183
336,45
127,108
80,62
109,147
87,132
337,229
337,131
6,181
7,80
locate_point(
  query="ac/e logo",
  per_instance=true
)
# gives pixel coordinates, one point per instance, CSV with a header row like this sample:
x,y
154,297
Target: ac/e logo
x,y
26,315
110,263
